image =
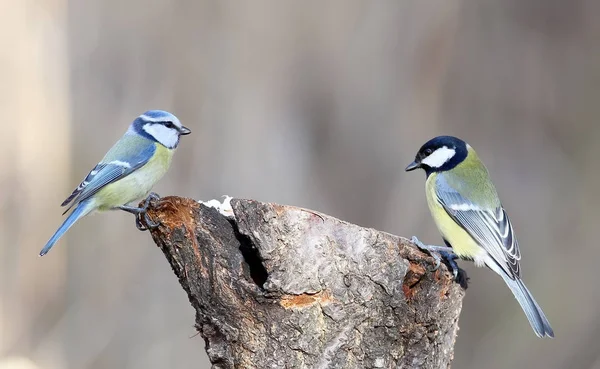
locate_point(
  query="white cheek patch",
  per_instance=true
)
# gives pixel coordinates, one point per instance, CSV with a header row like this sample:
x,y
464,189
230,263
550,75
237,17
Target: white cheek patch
x,y
168,137
439,157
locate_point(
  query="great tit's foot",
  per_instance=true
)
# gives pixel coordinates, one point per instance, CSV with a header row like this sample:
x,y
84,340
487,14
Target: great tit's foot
x,y
462,279
439,253
434,251
449,257
446,254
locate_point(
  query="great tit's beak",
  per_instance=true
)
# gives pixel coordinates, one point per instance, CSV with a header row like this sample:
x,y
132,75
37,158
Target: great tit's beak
x,y
412,166
184,131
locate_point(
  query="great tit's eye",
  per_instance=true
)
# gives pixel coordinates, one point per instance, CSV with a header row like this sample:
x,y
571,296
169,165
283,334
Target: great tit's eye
x,y
169,125
428,152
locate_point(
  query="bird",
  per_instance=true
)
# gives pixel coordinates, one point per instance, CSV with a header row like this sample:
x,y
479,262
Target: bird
x,y
467,211
127,172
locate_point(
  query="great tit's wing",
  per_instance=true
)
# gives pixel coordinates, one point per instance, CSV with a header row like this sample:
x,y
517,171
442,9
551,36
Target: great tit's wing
x,y
128,155
488,225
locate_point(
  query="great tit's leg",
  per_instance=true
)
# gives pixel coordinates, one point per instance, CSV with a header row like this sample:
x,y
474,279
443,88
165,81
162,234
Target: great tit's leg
x,y
436,252
450,257
462,279
446,253
460,275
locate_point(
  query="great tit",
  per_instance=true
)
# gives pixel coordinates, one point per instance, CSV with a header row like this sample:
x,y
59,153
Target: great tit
x,y
127,172
467,211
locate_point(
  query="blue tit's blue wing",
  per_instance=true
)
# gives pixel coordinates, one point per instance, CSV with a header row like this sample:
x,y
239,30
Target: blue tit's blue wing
x,y
126,156
489,226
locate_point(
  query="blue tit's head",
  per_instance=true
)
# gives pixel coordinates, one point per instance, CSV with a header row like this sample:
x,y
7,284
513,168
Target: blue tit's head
x,y
159,126
440,154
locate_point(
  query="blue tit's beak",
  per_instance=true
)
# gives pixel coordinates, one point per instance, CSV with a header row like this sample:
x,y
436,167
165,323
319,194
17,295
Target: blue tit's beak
x,y
184,131
412,166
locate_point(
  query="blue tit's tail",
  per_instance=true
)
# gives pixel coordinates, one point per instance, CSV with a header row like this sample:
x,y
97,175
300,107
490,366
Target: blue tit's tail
x,y
534,313
80,211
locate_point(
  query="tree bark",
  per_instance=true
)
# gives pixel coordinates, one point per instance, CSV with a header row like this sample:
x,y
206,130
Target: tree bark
x,y
278,286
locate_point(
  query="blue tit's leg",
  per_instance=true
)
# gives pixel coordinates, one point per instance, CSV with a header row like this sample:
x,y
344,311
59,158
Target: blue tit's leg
x,y
439,253
152,197
142,211
137,212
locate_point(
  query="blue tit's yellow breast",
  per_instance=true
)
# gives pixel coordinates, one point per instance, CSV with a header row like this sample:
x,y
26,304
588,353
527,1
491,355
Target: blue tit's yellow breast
x,y
139,183
161,158
462,243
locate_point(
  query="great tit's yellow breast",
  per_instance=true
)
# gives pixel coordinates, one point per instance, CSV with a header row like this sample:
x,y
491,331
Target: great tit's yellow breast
x,y
462,243
139,183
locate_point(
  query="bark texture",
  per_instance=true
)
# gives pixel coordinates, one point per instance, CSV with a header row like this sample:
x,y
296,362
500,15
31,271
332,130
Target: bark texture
x,y
283,287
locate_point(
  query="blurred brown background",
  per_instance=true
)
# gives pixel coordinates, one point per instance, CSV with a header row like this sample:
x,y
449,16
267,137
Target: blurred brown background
x,y
316,104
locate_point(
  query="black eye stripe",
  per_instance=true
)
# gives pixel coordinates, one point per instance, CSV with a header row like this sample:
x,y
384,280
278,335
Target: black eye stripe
x,y
167,124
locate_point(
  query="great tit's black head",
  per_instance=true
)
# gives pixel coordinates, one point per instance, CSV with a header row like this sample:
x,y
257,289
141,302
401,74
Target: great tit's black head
x,y
440,154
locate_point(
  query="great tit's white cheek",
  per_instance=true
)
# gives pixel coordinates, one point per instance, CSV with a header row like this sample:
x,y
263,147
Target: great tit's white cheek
x,y
168,137
439,157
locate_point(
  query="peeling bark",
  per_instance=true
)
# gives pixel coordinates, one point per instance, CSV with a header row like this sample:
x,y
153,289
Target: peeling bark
x,y
284,287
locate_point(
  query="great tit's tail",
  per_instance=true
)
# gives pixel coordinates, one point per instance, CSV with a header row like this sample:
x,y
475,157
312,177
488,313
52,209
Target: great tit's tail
x,y
80,211
534,313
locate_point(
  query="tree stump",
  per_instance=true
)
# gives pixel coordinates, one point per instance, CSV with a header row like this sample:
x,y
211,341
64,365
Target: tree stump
x,y
279,286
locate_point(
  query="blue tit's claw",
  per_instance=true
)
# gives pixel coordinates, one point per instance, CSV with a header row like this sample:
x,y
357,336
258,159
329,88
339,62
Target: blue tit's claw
x,y
152,197
150,200
147,223
150,224
139,225
142,220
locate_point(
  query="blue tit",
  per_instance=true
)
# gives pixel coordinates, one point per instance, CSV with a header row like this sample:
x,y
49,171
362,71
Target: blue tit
x,y
128,171
467,211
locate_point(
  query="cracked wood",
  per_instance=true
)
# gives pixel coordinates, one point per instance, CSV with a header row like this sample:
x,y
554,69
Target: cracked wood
x,y
284,287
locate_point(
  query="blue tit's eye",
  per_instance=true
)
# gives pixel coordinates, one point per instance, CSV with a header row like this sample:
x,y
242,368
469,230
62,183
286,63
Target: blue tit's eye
x,y
169,125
